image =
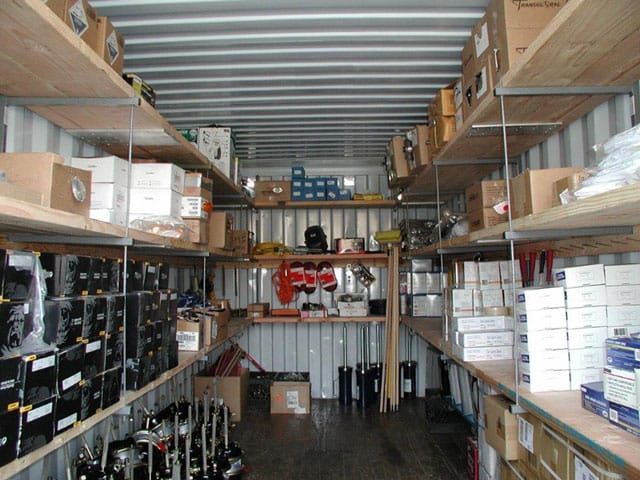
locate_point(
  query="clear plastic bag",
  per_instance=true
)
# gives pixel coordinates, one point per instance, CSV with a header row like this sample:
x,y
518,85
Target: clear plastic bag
x,y
34,322
165,226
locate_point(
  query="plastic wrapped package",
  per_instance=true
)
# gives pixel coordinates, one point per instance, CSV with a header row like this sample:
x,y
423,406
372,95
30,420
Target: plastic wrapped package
x,y
164,226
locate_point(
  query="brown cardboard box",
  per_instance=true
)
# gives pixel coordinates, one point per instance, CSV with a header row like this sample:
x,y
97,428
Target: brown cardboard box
x,y
220,226
47,174
555,454
572,182
199,231
57,6
197,185
485,194
395,151
579,463
532,191
190,335
291,397
241,242
529,461
421,155
484,218
443,105
110,44
82,18
441,130
501,427
20,193
234,390
273,191
483,80
258,310
223,316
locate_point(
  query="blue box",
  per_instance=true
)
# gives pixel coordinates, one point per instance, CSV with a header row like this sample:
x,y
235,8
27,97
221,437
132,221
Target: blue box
x,y
308,184
297,194
593,399
332,194
308,195
297,171
319,183
320,194
344,194
624,417
623,352
332,182
297,183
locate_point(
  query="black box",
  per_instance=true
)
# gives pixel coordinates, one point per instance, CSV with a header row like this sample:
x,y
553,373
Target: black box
x,y
111,387
114,351
10,382
66,275
15,325
163,276
111,275
91,397
63,321
68,410
95,316
9,430
70,366
94,285
38,378
173,305
163,308
139,341
135,276
36,426
16,274
115,313
155,305
154,367
138,309
94,357
172,355
157,334
150,276
138,372
162,360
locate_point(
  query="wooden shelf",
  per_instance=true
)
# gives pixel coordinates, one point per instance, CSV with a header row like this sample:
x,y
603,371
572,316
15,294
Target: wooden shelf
x,y
588,43
328,204
337,260
563,410
369,319
15,467
42,57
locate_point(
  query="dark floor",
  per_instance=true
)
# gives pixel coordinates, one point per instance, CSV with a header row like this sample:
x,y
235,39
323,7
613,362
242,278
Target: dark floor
x,y
335,442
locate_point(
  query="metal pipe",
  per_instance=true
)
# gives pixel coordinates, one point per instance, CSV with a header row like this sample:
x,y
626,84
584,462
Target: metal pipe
x,y
203,439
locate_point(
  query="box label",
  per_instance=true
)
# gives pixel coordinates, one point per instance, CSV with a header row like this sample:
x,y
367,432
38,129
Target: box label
x,y
187,340
78,16
112,47
292,399
65,422
39,412
582,472
525,434
43,363
71,381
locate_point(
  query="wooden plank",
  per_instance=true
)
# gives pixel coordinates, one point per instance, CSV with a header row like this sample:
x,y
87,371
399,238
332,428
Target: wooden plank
x,y
370,319
452,179
328,204
337,260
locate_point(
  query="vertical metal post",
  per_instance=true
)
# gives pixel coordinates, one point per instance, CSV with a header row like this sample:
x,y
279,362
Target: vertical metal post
x,y
204,282
3,135
635,91
445,324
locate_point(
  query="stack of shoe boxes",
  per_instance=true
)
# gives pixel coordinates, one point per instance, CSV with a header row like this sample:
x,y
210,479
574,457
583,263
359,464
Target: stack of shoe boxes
x,y
156,190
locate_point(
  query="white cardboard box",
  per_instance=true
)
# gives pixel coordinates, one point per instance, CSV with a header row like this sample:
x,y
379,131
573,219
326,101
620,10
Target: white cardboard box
x,y
161,176
532,299
587,337
545,381
590,296
587,358
543,340
622,274
425,283
426,305
492,298
536,320
467,324
623,315
571,277
489,275
623,295
108,196
545,360
109,169
489,338
584,375
471,275
621,386
622,330
462,302
155,202
587,317
477,302
217,145
116,217
478,354
194,207
506,274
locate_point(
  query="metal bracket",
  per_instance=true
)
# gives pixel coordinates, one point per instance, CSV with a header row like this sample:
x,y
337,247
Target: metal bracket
x,y
636,102
472,161
471,249
73,101
71,240
555,234
514,129
516,409
150,249
554,91
3,139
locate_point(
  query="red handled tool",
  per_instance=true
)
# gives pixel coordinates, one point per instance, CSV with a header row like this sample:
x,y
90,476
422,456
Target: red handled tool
x,y
532,268
523,268
549,267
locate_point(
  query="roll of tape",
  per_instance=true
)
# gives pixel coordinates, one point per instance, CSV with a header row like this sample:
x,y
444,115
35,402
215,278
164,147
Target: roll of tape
x,y
497,311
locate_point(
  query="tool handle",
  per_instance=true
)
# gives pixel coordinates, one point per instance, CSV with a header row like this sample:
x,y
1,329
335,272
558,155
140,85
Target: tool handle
x,y
523,268
532,267
549,267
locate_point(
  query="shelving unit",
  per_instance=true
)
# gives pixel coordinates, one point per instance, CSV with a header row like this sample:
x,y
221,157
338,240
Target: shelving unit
x,y
369,319
337,260
327,204
562,409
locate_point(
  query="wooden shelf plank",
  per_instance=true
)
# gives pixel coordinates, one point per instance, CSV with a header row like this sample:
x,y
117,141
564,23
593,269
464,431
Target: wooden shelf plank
x,y
368,319
42,57
561,409
15,467
337,260
327,204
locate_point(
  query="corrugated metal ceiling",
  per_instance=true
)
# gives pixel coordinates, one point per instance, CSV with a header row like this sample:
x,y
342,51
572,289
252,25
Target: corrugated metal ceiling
x,y
298,80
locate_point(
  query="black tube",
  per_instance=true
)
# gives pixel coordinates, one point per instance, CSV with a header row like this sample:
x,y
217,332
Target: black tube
x,y
345,394
409,375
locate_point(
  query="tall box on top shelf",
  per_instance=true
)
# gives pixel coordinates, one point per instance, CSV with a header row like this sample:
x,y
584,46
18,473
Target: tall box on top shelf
x,y
532,190
216,143
110,44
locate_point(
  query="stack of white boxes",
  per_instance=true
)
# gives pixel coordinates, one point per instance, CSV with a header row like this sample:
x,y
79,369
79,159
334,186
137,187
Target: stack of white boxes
x,y
623,299
481,323
109,187
586,303
156,190
543,353
426,290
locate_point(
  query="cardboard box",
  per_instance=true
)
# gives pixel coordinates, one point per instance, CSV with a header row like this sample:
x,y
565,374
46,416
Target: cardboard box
x,y
586,317
462,302
580,376
110,44
628,274
199,230
398,161
531,299
591,296
489,338
489,275
593,399
485,194
492,299
466,324
258,310
582,276
425,283
481,354
625,417
538,360
545,380
555,453
501,427
36,426
532,191
484,80
109,169
147,201
116,217
47,174
223,315
506,272
426,305
216,143
587,337
220,226
623,315
195,208
624,352
537,320
291,397
233,389
443,104
420,155
570,183
484,218
273,191
109,196
621,295
541,340
621,386
197,185
190,335
82,18
157,176
441,130
241,242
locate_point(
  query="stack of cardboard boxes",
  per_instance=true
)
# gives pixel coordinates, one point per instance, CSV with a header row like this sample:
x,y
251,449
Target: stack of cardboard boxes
x,y
304,188
197,206
485,204
442,122
421,290
156,190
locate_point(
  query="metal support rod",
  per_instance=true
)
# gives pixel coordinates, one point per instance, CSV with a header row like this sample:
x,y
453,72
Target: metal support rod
x,y
636,102
535,235
70,101
3,109
471,161
69,240
204,282
130,161
445,324
553,91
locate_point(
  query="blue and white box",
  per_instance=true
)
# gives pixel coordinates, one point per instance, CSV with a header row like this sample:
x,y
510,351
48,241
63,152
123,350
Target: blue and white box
x,y
332,183
344,194
320,183
297,171
319,194
297,194
593,399
623,352
621,386
308,184
308,194
625,417
297,183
